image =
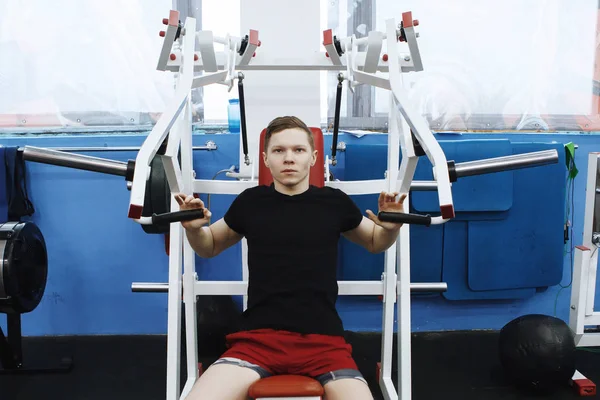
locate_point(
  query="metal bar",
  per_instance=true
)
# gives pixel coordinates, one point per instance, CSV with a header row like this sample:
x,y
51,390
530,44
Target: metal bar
x,y
428,287
149,287
316,61
592,320
506,163
14,336
243,132
375,186
77,161
240,287
423,186
209,146
587,340
336,119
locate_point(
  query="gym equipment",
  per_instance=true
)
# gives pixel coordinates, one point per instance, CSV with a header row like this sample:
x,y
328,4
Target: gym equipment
x,y
23,274
155,217
408,133
583,319
537,352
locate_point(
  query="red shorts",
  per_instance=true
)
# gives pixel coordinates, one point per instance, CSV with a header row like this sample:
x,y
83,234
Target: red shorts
x,y
282,352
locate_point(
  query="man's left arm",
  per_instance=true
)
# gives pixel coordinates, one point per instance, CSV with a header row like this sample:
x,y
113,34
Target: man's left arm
x,y
374,235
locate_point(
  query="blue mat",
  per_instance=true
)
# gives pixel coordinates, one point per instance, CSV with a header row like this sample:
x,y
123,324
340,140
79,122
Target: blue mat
x,y
456,266
528,244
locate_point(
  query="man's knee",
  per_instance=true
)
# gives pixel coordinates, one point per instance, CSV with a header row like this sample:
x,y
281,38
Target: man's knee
x,y
348,389
345,384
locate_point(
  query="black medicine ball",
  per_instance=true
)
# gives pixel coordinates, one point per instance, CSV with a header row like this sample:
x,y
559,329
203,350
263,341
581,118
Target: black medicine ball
x,y
537,352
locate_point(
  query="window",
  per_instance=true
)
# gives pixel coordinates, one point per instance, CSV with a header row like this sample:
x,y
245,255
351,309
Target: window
x,y
509,65
347,18
77,64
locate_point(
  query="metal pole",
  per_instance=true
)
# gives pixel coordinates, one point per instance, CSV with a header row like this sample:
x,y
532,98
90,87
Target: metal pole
x,y
210,145
506,163
150,287
423,186
77,161
427,287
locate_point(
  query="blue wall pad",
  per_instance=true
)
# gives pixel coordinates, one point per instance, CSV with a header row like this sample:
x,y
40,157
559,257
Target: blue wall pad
x,y
480,193
3,199
455,269
525,249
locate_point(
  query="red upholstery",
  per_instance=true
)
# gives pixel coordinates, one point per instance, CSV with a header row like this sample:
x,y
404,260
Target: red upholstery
x,y
285,385
317,171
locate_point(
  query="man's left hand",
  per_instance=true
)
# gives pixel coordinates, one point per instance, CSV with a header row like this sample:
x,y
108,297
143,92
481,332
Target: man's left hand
x,y
387,202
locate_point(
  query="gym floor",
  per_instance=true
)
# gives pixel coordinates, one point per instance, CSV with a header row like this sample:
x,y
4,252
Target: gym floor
x,y
449,365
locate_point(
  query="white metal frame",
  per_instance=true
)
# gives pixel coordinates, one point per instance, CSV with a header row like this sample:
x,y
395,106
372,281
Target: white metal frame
x,y
585,266
583,290
360,68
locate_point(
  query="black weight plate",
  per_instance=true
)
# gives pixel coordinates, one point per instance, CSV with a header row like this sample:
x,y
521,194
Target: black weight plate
x,y
23,267
157,199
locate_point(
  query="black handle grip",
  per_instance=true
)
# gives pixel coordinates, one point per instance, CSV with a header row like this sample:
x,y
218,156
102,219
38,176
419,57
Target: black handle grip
x,y
402,218
177,216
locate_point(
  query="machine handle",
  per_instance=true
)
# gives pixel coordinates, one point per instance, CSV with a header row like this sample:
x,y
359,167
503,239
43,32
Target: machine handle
x,y
177,216
404,218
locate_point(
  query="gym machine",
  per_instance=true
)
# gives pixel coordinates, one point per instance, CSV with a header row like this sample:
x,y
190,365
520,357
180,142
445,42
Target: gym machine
x,y
408,133
584,321
164,162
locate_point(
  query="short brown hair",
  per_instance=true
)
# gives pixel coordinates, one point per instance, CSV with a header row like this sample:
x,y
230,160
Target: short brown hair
x,y
288,122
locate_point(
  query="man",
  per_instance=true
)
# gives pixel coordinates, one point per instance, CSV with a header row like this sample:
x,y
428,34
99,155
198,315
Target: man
x,y
291,325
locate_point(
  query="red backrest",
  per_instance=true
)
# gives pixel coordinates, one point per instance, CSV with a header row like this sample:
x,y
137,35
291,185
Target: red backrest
x,y
317,171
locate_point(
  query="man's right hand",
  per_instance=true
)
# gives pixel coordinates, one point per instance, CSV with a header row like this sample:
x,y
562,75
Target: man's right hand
x,y
192,203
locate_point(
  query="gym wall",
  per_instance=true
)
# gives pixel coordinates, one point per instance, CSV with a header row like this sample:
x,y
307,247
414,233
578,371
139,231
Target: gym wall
x,y
502,257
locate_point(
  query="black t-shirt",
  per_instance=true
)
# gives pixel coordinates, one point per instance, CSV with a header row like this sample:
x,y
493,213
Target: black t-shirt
x,y
292,256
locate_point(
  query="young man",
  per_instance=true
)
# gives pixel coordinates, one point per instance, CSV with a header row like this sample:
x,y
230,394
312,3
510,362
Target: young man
x,y
291,325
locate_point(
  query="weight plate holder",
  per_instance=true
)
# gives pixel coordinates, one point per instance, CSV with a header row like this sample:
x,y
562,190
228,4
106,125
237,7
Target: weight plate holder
x,y
23,267
157,198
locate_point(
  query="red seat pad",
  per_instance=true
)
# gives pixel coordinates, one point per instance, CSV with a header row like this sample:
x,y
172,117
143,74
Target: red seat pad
x,y
285,385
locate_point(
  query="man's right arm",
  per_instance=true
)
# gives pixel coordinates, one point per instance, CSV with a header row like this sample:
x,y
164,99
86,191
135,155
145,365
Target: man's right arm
x,y
209,241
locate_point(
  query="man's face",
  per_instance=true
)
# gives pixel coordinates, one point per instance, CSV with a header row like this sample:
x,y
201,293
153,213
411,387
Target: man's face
x,y
289,157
